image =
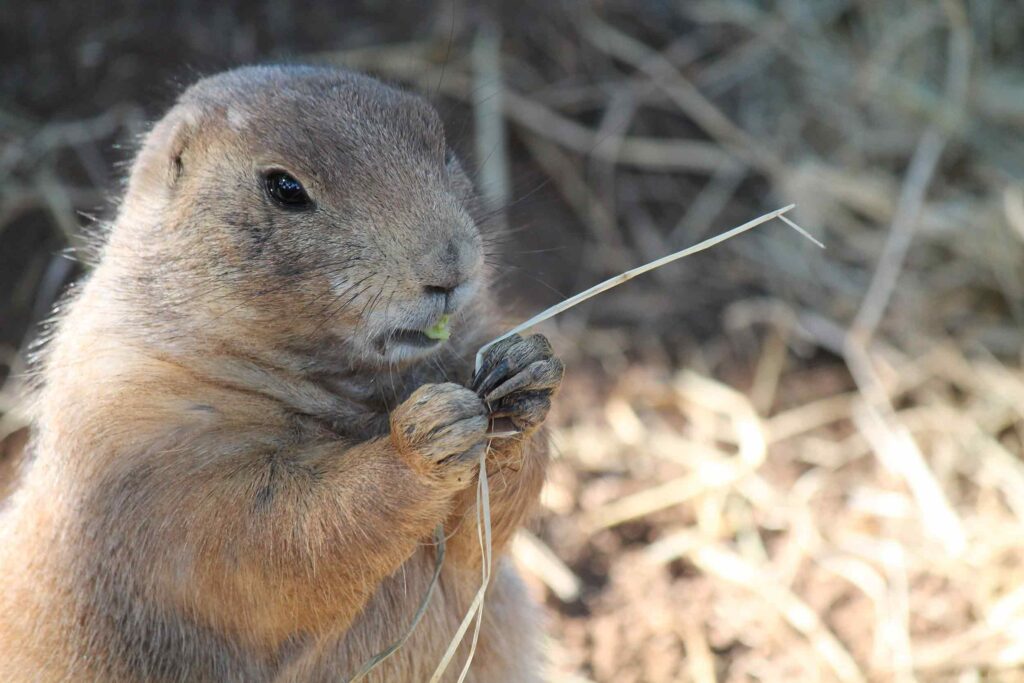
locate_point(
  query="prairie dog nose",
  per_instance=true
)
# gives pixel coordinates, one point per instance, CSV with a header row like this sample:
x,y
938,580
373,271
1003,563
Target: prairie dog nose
x,y
448,266
434,290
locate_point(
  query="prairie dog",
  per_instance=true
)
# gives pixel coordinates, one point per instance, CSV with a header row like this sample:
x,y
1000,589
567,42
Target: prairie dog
x,y
249,423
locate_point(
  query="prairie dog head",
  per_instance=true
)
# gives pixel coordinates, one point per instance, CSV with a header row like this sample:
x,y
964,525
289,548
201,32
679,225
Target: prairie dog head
x,y
308,203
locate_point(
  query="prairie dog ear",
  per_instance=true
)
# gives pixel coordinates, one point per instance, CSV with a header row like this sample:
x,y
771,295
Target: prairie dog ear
x,y
163,158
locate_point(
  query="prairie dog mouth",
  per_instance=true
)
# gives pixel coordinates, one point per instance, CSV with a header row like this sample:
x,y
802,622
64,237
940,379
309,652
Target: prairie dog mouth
x,y
427,338
417,338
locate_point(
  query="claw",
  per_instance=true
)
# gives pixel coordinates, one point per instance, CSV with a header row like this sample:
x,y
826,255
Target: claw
x,y
538,375
507,358
503,434
525,409
493,355
493,378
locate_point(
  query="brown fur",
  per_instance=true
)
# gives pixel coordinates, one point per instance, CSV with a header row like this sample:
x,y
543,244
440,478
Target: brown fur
x,y
235,472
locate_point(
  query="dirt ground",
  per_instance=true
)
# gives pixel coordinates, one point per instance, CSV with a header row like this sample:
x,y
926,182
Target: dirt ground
x,y
773,463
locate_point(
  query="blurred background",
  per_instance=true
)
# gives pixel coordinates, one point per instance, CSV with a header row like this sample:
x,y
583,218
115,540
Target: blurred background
x,y
773,463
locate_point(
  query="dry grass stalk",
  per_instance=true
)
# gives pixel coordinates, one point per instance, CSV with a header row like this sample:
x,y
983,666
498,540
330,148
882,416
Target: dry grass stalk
x,y
601,287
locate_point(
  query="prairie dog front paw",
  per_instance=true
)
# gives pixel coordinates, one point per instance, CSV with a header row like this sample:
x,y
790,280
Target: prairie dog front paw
x,y
517,378
441,430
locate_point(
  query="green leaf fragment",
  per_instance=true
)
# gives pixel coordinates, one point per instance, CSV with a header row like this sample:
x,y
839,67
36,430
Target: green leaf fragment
x,y
439,330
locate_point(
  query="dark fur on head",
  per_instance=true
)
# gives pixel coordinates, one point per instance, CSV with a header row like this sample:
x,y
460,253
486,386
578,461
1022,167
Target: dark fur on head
x,y
392,212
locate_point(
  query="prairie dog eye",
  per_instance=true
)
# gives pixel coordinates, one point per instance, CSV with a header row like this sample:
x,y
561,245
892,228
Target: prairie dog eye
x,y
286,191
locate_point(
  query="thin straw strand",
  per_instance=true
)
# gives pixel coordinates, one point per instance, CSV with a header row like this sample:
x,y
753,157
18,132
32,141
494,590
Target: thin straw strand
x,y
378,659
640,270
483,530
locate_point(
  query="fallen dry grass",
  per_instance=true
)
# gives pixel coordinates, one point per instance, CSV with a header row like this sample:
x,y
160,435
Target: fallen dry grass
x,y
772,463
694,536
